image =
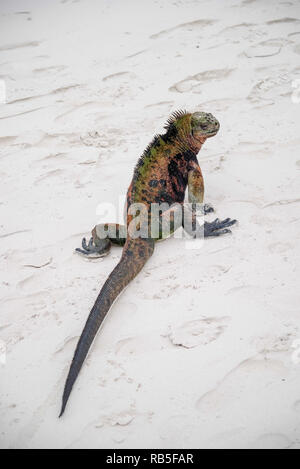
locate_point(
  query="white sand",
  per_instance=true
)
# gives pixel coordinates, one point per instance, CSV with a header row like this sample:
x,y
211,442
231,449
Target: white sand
x,y
88,84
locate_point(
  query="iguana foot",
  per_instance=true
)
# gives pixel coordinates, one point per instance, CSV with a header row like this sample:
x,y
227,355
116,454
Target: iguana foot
x,y
91,250
207,208
217,227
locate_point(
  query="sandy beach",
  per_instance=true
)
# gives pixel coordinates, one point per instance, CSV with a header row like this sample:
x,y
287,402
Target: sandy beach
x,y
202,350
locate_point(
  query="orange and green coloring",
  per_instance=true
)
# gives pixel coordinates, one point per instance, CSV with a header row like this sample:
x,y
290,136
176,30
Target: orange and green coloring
x,y
166,169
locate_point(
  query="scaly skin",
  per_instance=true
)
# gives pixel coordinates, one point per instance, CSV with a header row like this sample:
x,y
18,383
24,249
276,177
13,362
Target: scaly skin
x,y
168,165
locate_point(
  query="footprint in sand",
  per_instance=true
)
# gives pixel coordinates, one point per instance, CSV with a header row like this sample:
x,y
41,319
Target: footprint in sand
x,y
115,76
246,385
196,25
194,82
177,428
55,91
164,104
198,332
20,45
67,139
266,48
79,111
138,345
242,32
49,176
270,89
280,247
50,69
285,20
271,441
5,141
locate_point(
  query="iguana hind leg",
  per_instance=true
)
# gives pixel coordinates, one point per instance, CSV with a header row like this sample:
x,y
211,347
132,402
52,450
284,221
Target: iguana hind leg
x,y
103,235
92,250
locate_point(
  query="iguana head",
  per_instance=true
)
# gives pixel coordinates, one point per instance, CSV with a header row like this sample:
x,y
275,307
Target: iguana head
x,y
191,129
204,124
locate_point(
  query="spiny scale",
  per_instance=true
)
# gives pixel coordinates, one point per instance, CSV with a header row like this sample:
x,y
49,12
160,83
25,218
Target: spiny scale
x,y
172,119
174,116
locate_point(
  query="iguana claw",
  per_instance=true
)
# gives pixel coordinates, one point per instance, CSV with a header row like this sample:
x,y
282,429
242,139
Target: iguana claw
x,y
91,250
207,208
217,227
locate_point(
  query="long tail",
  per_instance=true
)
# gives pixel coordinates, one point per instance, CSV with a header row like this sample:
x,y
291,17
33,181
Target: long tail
x,y
136,252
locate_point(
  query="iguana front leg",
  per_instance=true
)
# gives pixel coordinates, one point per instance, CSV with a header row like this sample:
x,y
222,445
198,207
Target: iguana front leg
x,y
196,188
195,196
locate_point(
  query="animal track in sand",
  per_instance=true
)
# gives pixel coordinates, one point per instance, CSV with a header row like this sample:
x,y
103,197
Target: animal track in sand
x,y
283,20
4,141
116,75
280,247
49,175
266,48
55,91
14,233
198,332
140,344
22,113
190,26
252,291
246,32
51,68
67,139
271,344
282,202
270,88
193,82
296,33
53,156
245,384
109,139
176,428
20,45
136,53
219,104
90,105
161,103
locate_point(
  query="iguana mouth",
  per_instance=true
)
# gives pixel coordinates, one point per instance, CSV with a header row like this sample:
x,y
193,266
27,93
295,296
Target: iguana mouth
x,y
207,134
212,133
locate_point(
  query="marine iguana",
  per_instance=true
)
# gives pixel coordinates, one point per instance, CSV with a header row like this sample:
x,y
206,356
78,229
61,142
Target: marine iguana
x,y
168,165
